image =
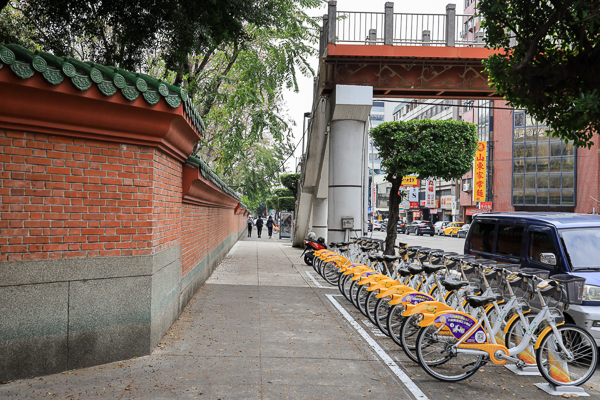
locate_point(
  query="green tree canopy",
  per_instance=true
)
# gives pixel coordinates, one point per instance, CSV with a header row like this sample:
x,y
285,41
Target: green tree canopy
x,y
550,66
425,148
233,57
290,181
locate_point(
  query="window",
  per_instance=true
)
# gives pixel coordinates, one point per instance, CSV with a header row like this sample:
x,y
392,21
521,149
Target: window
x,y
544,164
539,242
482,236
509,240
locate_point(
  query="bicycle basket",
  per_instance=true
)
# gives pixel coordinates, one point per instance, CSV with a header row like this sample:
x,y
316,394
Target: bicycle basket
x,y
573,285
527,284
540,273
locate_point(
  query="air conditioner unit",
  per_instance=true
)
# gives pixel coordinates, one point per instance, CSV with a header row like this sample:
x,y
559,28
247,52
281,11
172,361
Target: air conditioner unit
x,y
467,186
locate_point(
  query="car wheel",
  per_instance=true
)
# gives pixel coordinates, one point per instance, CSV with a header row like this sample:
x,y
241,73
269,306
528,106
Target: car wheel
x,y
406,232
431,234
418,232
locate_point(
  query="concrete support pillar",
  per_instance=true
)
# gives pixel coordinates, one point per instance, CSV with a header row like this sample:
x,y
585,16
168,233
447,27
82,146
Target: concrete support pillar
x,y
319,217
352,105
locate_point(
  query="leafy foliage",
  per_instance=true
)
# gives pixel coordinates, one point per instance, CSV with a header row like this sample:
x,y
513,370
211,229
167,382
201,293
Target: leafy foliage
x,y
283,193
425,148
551,71
233,57
290,181
286,204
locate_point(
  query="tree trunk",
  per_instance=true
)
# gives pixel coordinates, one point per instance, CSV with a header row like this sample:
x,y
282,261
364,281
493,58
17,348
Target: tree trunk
x,y
395,199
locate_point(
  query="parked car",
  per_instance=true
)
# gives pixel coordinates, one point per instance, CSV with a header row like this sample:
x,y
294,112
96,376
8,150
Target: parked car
x,y
370,227
452,228
462,232
376,226
420,228
440,226
567,245
400,227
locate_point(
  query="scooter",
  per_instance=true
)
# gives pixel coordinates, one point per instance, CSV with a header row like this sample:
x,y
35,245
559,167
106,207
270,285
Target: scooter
x,y
310,245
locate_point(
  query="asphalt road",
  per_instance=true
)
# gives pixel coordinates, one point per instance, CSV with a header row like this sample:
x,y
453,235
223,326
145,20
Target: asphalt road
x,y
435,242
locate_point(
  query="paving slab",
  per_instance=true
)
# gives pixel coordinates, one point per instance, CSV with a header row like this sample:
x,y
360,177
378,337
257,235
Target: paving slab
x,y
261,328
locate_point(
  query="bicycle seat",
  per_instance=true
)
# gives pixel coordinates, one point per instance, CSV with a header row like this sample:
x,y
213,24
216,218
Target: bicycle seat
x,y
366,248
414,270
402,251
404,272
454,285
380,257
430,269
483,262
373,257
391,258
343,249
480,301
344,243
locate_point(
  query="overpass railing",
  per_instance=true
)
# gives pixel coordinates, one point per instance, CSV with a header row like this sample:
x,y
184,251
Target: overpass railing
x,y
401,29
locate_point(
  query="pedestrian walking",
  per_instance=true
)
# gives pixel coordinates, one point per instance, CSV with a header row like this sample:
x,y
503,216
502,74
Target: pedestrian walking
x,y
259,225
270,226
250,226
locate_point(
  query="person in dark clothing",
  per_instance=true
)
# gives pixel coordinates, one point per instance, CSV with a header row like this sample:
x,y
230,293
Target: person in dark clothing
x,y
259,225
270,226
249,226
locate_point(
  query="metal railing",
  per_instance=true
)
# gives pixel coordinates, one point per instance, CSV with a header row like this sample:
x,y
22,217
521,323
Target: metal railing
x,y
419,29
359,27
402,29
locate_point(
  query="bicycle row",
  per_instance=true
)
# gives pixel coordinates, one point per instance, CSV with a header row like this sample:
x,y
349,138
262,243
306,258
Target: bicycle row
x,y
454,313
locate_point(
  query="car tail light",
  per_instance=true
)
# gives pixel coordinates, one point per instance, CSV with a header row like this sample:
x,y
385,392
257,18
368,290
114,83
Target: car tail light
x,y
421,226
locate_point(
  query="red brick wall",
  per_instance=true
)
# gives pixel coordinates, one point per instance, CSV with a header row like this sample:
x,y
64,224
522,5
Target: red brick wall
x,y
502,164
203,229
588,179
63,197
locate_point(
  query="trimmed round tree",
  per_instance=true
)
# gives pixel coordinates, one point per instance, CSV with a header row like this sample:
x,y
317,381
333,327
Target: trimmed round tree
x,y
426,148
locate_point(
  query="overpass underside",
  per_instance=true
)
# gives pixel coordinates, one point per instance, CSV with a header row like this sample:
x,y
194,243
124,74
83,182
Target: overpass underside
x,y
408,71
425,62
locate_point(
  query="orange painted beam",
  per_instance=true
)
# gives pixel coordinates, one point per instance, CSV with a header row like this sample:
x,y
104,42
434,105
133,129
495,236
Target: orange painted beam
x,y
403,52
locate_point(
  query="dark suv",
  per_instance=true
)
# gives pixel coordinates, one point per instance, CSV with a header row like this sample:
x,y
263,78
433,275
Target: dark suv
x,y
420,228
560,243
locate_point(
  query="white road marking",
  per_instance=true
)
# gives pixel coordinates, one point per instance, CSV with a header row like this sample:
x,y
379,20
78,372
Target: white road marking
x,y
410,385
312,278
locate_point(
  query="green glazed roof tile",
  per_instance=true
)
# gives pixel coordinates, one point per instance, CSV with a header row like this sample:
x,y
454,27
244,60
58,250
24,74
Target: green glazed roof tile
x,y
83,75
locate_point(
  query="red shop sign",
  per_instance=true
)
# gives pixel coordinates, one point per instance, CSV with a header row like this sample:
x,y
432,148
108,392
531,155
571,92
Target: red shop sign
x,y
485,205
414,204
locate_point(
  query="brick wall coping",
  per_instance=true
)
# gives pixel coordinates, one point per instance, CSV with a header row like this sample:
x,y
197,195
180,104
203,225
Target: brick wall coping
x,y
108,80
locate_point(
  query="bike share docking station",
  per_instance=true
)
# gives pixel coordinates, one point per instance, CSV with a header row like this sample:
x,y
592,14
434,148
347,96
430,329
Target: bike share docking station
x,y
529,370
347,225
562,390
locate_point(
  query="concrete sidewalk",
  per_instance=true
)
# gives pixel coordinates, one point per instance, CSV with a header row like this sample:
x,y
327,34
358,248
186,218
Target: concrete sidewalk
x,y
258,329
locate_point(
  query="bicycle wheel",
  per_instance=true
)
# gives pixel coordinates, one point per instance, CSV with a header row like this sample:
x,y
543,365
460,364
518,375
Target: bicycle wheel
x,y
409,330
514,336
394,322
381,312
330,273
370,304
436,354
557,367
315,264
361,298
344,285
354,286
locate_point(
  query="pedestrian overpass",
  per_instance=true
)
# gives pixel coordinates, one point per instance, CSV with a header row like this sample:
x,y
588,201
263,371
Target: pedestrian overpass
x,y
367,55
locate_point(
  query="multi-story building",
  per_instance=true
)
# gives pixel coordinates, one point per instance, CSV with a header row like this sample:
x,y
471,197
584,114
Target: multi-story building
x,y
527,169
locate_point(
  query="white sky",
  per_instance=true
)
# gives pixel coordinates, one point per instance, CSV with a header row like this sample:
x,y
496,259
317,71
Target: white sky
x,y
301,102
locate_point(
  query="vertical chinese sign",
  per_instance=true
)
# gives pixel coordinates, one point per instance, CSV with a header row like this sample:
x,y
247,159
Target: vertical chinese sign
x,y
479,172
430,194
